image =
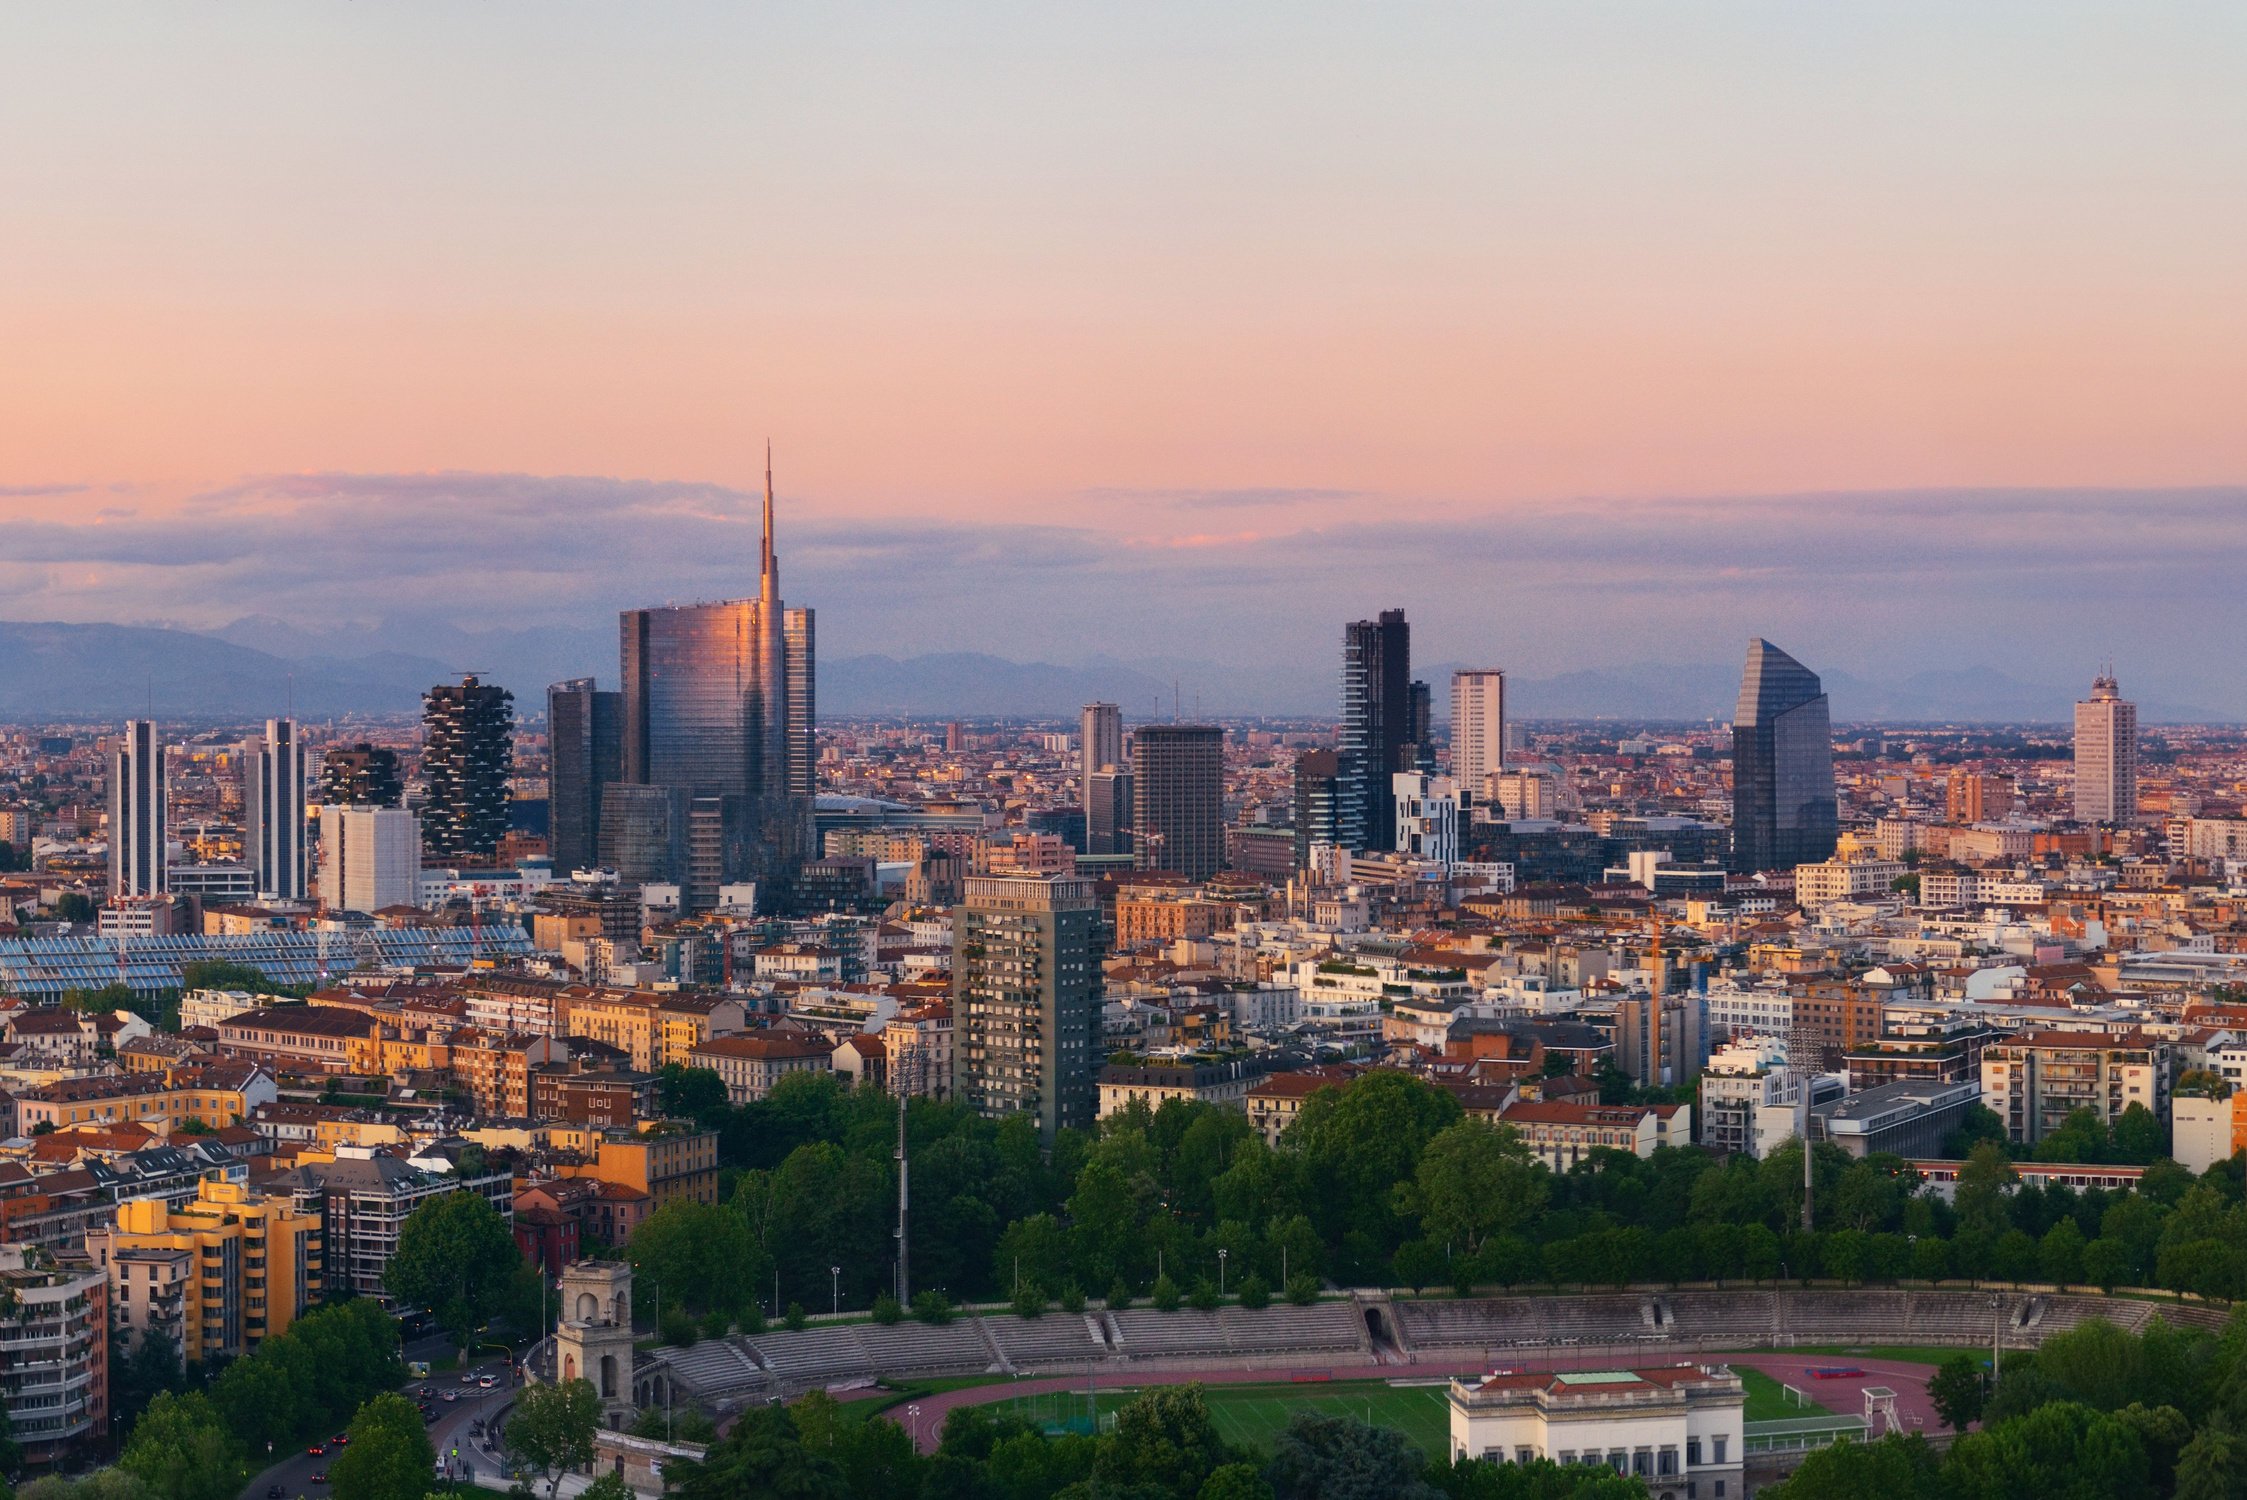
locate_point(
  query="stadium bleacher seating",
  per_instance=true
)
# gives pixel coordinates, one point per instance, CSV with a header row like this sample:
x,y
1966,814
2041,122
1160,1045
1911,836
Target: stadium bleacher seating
x,y
729,1371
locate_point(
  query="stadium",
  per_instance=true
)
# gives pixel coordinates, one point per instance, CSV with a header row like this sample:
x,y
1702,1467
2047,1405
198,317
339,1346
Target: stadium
x,y
1820,1362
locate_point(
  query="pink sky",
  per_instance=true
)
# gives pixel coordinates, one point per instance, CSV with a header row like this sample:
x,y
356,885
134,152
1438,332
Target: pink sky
x,y
978,264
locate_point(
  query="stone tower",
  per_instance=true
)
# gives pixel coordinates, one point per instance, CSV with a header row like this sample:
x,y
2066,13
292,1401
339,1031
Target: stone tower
x,y
593,1338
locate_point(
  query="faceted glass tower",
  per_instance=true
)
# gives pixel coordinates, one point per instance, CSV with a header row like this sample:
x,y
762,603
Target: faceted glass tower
x,y
1783,808
718,709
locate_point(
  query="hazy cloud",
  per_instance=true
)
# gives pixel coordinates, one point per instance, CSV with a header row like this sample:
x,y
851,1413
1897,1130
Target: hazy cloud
x,y
2040,582
1223,499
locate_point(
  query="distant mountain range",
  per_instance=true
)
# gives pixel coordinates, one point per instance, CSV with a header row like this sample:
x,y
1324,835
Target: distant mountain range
x,y
258,667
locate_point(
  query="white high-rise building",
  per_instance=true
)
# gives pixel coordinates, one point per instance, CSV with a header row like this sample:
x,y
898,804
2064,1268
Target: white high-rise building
x,y
370,858
273,811
1478,726
2106,754
137,812
1101,739
1427,816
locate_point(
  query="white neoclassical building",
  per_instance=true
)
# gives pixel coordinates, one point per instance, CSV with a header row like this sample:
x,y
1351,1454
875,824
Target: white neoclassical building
x,y
1678,1427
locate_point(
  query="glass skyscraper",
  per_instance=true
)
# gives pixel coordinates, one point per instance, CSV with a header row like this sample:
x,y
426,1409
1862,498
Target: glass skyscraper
x,y
1783,808
585,732
1384,722
718,708
1178,798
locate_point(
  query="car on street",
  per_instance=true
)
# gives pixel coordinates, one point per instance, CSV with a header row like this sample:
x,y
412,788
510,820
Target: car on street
x,y
317,1450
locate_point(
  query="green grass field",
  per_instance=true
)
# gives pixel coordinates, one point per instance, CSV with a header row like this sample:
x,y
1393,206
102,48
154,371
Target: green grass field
x,y
1251,1416
1909,1354
1767,1399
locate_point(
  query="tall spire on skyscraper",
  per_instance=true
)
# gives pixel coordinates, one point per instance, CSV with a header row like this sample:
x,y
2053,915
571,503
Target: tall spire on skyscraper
x,y
769,573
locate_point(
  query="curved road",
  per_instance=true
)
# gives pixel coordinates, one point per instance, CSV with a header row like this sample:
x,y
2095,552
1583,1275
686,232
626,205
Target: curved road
x,y
292,1473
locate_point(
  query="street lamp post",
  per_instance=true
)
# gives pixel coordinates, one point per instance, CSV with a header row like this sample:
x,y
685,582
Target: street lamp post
x,y
835,1290
1221,1254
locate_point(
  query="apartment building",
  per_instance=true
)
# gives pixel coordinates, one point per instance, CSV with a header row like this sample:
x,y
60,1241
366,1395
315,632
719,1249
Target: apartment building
x,y
217,1275
2033,1082
496,1069
1561,1133
363,1197
666,1163
303,1038
752,1063
1224,1084
214,1097
651,1028
54,1353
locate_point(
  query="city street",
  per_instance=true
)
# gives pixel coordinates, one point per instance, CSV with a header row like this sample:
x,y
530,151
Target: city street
x,y
293,1472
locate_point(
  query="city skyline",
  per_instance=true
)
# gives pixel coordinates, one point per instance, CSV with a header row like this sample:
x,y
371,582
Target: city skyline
x,y
1241,929
1773,322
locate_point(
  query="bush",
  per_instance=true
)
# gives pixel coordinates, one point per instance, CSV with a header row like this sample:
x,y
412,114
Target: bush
x,y
795,1317
1205,1296
1072,1298
1165,1295
1254,1292
887,1310
677,1326
1302,1289
752,1319
717,1325
932,1308
1119,1295
1029,1299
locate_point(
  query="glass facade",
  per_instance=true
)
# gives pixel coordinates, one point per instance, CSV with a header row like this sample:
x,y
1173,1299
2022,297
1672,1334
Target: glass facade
x,y
1783,808
1178,798
1385,727
586,729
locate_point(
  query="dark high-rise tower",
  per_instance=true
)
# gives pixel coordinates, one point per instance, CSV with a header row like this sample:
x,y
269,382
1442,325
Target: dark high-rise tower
x,y
1108,811
361,775
1783,808
273,810
710,713
797,640
1318,778
139,809
1026,999
1178,798
1420,729
1380,704
585,740
467,756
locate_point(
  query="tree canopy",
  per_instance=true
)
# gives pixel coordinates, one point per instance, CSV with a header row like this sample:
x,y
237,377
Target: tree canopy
x,y
455,1257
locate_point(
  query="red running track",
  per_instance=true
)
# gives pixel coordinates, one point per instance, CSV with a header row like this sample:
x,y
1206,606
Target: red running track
x,y
923,1419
